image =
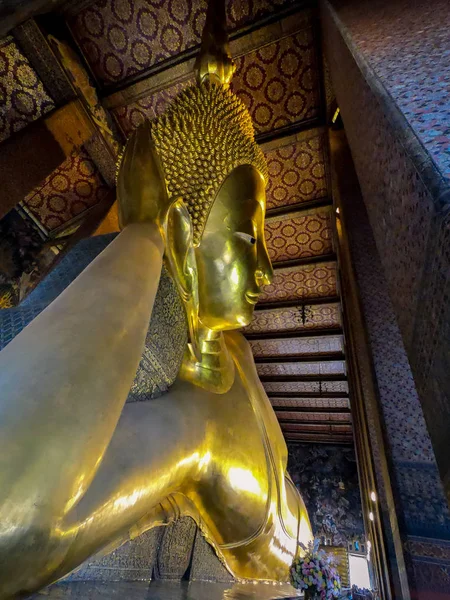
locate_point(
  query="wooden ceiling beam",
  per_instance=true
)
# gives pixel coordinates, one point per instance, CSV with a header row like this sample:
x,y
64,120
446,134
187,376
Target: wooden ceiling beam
x,y
311,409
319,439
285,423
297,302
338,428
293,395
274,335
337,356
56,134
287,130
310,378
299,206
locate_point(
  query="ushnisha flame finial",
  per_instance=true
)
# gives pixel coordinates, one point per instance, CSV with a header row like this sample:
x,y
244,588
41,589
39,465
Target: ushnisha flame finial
x,y
214,63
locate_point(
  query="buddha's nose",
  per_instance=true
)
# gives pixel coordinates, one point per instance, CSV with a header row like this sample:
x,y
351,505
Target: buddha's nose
x,y
264,271
264,275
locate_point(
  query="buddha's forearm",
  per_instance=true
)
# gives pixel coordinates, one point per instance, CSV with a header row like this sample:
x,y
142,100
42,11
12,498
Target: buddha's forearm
x,y
65,378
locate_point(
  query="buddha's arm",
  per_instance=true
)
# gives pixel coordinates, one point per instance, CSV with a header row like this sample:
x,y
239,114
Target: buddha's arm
x,y
63,383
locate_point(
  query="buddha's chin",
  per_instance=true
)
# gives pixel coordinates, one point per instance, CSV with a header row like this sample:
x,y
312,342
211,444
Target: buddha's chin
x,y
239,318
246,317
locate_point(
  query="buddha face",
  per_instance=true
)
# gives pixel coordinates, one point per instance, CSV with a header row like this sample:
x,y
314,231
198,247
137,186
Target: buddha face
x,y
232,260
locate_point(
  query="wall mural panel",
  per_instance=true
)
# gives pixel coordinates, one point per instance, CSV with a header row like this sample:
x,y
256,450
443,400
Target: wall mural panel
x,y
303,282
314,316
299,235
67,192
297,346
328,479
279,83
23,98
297,172
20,253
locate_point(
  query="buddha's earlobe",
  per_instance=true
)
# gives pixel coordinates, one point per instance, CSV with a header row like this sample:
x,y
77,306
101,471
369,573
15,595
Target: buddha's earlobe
x,y
181,262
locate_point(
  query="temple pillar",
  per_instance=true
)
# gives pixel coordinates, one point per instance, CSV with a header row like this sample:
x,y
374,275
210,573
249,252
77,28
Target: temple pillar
x,y
383,56
406,493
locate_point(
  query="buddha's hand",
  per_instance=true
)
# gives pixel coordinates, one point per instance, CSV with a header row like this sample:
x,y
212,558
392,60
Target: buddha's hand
x,y
141,187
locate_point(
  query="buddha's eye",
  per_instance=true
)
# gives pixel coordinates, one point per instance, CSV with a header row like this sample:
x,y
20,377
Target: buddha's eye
x,y
247,237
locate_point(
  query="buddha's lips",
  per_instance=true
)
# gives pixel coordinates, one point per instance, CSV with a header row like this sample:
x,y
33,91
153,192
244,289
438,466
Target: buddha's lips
x,y
251,298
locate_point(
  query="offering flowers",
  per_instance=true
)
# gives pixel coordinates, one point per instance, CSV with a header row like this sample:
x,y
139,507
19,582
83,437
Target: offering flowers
x,y
315,573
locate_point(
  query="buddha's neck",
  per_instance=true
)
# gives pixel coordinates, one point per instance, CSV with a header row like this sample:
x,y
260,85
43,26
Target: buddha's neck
x,y
215,369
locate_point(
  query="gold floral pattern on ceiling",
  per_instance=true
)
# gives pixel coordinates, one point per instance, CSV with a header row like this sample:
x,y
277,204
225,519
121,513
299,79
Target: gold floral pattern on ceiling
x,y
296,173
297,318
306,387
299,235
121,38
302,282
279,83
149,107
23,98
71,189
311,403
297,346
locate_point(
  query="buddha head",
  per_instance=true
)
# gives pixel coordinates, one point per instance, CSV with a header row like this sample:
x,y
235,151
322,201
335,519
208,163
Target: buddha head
x,y
216,177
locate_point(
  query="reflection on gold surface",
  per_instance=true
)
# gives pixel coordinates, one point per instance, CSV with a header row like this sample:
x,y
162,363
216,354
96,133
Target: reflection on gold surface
x,y
244,481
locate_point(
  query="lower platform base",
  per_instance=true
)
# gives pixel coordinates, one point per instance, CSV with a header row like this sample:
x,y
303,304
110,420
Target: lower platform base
x,y
164,590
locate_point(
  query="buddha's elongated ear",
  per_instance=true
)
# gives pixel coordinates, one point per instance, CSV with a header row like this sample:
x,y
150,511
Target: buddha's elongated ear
x,y
180,260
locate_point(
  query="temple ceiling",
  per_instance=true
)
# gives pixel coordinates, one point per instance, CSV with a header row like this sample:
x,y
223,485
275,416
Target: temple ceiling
x,y
123,61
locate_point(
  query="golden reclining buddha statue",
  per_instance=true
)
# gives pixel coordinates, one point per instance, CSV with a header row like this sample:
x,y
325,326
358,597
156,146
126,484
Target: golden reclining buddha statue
x,y
80,470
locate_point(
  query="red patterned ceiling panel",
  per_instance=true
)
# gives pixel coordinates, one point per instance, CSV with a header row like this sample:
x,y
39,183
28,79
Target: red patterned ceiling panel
x,y
298,318
121,38
132,115
301,368
303,282
23,96
71,189
299,235
297,346
306,387
279,83
241,13
296,173
311,403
